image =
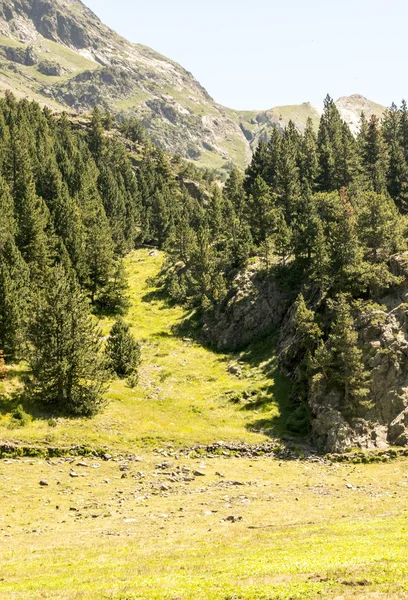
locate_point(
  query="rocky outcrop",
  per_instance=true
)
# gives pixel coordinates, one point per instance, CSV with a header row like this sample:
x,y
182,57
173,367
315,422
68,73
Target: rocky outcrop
x,y
383,339
50,68
22,56
256,303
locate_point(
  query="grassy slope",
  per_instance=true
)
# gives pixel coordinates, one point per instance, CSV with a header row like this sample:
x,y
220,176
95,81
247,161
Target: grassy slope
x,y
182,393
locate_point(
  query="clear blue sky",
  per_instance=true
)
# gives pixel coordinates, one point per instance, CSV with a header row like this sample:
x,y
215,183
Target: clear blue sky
x,y
256,54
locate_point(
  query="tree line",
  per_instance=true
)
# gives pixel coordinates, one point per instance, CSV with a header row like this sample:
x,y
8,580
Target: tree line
x,y
73,202
324,212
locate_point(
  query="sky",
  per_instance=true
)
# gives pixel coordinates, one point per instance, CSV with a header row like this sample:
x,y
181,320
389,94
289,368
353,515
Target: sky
x,y
257,54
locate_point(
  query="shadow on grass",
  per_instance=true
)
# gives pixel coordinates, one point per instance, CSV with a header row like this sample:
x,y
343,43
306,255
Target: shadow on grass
x,y
158,295
20,405
260,355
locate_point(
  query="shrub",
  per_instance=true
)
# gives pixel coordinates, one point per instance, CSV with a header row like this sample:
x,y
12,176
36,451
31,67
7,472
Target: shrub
x,y
122,350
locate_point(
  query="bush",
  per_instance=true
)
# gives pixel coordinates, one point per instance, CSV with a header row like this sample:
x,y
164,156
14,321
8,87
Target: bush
x,y
19,418
298,421
123,351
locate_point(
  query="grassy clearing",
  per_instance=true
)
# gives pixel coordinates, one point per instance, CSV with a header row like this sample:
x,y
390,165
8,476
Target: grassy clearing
x,y
302,530
167,526
185,390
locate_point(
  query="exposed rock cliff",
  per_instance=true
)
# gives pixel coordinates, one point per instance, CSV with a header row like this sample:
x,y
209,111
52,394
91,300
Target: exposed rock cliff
x,y
257,303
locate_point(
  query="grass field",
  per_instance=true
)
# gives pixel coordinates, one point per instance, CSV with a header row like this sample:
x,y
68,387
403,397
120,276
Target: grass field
x,y
185,390
169,524
244,530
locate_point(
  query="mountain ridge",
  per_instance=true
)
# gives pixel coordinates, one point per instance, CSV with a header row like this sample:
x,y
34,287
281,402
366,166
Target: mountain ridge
x,y
61,54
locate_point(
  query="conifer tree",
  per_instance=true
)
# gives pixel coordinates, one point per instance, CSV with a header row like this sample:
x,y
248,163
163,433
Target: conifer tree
x,y
288,181
309,164
234,192
262,211
258,167
380,227
329,147
122,350
320,265
307,330
341,359
14,300
403,128
67,366
374,156
271,174
31,212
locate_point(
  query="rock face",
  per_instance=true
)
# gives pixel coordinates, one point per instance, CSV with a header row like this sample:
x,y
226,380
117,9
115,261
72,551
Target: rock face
x,y
96,66
383,338
52,69
255,305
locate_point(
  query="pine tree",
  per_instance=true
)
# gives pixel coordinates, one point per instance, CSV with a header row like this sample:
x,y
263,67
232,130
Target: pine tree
x,y
122,350
234,192
379,225
403,128
283,238
309,164
30,210
271,174
258,166
307,330
341,359
329,147
320,265
374,156
14,300
289,189
67,366
115,297
262,211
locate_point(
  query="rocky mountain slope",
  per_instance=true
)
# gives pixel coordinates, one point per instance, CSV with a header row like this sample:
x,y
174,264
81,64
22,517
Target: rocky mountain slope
x,y
257,305
59,53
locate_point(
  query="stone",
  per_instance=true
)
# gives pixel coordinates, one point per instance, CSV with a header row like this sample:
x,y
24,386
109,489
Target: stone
x,y
44,483
235,370
198,474
73,474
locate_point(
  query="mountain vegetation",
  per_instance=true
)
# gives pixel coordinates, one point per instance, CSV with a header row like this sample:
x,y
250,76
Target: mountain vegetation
x,y
60,54
72,206
320,215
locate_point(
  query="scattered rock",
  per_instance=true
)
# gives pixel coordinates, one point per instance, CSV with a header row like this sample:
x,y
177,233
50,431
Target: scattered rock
x,y
73,474
44,483
232,519
198,474
235,370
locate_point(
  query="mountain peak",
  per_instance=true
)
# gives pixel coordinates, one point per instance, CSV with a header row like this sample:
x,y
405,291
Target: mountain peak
x,y
58,52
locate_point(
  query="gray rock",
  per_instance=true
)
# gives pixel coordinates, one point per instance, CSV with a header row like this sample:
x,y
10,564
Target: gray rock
x,y
254,305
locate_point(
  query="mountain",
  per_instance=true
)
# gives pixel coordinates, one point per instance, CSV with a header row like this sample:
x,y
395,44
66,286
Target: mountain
x,y
59,53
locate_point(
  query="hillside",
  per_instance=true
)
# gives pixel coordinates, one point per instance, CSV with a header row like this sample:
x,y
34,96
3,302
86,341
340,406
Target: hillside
x,y
186,394
60,54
